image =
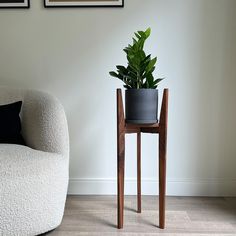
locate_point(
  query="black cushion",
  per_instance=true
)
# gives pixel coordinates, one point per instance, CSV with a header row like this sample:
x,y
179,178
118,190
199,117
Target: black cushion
x,y
10,123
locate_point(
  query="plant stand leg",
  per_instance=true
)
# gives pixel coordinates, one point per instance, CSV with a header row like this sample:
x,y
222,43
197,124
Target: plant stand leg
x,y
120,159
139,172
162,179
121,167
162,158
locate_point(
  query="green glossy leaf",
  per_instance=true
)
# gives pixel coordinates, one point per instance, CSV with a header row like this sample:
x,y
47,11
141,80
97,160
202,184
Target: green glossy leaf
x,y
151,64
138,36
158,81
113,74
148,32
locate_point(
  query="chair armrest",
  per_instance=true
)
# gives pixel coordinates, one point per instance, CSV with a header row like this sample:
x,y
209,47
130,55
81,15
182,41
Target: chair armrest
x,y
44,124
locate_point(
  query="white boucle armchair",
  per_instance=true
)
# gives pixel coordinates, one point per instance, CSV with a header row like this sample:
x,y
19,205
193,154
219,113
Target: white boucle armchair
x,y
34,178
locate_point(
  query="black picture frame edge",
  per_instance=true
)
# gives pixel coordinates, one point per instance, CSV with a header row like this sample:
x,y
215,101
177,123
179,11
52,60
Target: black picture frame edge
x,y
19,7
85,6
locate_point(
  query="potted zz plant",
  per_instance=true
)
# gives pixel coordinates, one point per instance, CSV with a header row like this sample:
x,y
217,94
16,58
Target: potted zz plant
x,y
141,95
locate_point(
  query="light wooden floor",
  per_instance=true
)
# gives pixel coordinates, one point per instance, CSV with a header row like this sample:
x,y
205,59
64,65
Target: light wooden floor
x,y
96,215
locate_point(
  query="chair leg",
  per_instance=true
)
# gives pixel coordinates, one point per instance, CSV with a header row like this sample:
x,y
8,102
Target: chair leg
x,y
162,179
120,177
139,172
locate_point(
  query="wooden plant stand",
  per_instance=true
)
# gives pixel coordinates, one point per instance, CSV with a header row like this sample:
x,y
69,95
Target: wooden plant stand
x,y
126,128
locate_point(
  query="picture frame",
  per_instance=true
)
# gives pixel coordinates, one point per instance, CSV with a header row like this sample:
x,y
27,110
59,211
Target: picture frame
x,y
14,4
83,3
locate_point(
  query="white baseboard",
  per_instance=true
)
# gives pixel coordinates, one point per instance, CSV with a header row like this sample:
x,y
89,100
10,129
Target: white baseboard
x,y
183,187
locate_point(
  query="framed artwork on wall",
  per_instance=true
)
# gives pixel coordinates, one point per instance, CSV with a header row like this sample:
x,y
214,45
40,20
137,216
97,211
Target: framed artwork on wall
x,y
14,3
83,3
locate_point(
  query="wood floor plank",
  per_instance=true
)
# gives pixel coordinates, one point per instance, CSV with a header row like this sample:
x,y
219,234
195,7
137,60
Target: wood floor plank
x,y
193,216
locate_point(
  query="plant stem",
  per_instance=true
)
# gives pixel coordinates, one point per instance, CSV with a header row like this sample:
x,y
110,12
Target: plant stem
x,y
137,80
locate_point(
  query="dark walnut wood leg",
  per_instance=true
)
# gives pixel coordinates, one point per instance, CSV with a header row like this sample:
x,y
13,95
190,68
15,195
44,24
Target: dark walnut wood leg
x,y
120,159
162,158
162,183
121,165
139,172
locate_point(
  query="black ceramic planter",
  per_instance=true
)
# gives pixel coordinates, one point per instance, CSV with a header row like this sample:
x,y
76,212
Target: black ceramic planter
x,y
141,106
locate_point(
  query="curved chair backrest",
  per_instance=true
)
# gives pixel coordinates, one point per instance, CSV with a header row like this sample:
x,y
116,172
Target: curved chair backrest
x,y
44,124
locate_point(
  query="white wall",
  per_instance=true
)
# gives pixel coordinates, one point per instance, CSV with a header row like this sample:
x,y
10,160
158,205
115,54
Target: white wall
x,y
69,52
